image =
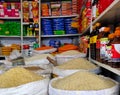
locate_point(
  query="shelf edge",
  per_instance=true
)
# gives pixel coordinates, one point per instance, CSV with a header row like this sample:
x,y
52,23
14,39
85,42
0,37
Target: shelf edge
x,y
114,70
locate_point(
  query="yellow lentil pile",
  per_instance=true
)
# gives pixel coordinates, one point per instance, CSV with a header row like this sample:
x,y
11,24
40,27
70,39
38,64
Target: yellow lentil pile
x,y
70,52
78,63
17,76
83,81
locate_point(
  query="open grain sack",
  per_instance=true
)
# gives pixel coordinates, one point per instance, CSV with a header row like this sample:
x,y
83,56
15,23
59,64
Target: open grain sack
x,y
40,71
68,55
38,59
19,81
74,65
83,83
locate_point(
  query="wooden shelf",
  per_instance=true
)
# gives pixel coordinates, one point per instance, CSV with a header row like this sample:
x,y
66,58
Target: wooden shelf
x,y
114,70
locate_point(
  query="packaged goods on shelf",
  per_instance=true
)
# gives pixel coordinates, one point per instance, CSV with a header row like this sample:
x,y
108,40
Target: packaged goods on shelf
x,y
23,78
83,83
95,8
108,52
86,15
59,32
6,50
75,23
74,6
75,65
10,28
84,44
93,39
35,14
31,29
45,9
10,9
102,44
25,14
58,26
47,27
68,28
115,56
55,8
66,8
103,6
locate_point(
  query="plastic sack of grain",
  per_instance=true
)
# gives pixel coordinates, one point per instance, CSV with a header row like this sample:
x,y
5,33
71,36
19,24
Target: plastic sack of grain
x,y
75,65
16,80
68,55
84,85
44,51
39,70
63,73
33,88
39,59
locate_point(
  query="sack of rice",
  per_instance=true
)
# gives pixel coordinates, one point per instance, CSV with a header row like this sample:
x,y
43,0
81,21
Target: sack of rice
x,y
16,80
74,65
40,71
68,55
83,83
39,59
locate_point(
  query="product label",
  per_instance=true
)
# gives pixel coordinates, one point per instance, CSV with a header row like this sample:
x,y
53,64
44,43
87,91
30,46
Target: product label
x,y
98,44
115,52
108,53
103,42
91,40
94,39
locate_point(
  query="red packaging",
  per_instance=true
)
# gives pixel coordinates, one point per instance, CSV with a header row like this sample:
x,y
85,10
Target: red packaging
x,y
115,52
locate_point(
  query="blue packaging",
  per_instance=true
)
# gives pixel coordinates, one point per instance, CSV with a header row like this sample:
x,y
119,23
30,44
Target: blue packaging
x,y
55,43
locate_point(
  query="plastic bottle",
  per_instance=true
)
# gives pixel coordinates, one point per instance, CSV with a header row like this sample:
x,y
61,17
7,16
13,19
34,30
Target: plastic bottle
x,y
103,42
94,40
100,34
98,26
116,50
91,43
